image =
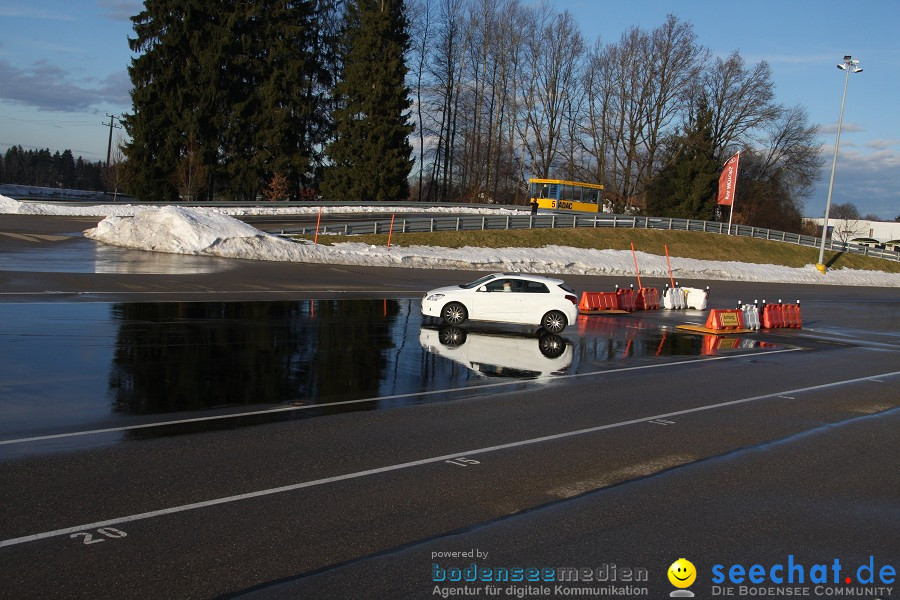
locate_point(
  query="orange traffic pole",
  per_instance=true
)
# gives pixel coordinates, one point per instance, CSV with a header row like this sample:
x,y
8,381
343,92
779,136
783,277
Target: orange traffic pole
x,y
637,270
316,237
669,262
391,230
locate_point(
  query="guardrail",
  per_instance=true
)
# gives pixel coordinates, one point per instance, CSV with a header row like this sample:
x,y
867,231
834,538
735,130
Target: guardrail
x,y
567,221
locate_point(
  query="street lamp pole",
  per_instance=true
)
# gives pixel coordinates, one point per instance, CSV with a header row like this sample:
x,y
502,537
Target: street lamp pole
x,y
848,65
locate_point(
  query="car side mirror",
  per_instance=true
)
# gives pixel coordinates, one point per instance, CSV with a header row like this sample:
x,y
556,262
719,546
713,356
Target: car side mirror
x,y
482,288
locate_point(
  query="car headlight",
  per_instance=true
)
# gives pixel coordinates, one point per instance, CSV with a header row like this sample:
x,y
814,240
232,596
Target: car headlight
x,y
433,297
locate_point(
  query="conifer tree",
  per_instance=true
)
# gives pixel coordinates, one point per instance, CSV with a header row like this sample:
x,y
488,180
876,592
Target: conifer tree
x,y
297,64
168,92
248,82
686,186
370,154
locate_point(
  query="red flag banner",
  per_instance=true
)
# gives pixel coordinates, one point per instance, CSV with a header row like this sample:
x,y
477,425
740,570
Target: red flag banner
x,y
728,180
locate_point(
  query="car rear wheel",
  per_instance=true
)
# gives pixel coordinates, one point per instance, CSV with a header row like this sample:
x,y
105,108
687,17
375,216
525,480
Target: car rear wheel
x,y
554,321
455,314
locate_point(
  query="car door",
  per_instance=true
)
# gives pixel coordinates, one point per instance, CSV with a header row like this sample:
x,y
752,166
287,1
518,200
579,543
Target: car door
x,y
500,300
536,301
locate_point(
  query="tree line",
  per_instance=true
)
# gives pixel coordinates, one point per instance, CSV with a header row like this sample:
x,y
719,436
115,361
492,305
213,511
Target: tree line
x,y
307,96
45,169
451,100
505,90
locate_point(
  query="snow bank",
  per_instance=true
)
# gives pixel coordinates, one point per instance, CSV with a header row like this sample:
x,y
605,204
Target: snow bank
x,y
205,232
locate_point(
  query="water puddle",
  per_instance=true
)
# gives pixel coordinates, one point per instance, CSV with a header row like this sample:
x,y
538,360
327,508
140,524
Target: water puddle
x,y
86,366
83,255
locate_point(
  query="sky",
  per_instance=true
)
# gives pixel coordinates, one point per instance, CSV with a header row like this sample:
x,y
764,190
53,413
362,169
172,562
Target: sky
x,y
63,69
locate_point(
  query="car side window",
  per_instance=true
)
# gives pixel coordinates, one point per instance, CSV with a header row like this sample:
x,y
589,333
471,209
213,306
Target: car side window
x,y
536,287
505,285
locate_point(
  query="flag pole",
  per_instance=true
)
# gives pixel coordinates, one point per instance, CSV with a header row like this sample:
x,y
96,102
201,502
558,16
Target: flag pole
x,y
730,185
731,212
733,196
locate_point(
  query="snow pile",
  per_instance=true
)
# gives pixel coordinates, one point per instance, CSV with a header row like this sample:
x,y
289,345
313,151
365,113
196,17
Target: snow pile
x,y
173,229
207,231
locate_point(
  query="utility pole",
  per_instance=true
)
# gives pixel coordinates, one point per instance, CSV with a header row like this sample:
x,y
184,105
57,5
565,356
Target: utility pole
x,y
109,145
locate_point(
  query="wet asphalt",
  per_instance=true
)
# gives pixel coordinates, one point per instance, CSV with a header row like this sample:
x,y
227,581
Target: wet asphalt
x,y
722,455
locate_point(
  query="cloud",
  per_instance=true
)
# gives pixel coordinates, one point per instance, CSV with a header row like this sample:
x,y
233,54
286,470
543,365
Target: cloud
x,y
120,10
870,180
49,88
831,128
881,144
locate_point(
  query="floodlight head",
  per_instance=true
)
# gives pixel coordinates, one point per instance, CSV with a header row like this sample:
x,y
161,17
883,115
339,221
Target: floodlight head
x,y
847,57
842,67
855,61
857,70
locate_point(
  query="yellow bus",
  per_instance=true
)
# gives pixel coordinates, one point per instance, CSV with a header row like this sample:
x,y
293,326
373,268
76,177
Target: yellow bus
x,y
557,194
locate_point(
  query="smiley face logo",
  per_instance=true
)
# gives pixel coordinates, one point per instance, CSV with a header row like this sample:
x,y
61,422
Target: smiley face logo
x,y
682,573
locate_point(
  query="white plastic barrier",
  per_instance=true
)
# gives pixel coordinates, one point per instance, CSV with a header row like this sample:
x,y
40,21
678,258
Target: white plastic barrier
x,y
751,316
673,298
695,298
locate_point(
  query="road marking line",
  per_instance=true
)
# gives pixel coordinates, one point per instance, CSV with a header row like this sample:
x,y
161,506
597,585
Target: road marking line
x,y
364,400
415,463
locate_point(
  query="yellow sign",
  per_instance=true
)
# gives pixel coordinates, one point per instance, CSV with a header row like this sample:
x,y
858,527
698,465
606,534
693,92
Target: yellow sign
x,y
729,319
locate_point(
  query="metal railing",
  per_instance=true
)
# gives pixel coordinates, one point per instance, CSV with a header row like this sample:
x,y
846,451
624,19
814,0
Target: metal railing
x,y
567,221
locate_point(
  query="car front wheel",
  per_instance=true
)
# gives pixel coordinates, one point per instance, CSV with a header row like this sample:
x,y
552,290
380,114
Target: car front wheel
x,y
554,321
455,314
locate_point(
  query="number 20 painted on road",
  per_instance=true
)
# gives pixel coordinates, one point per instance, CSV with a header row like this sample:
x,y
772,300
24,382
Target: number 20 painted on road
x,y
107,532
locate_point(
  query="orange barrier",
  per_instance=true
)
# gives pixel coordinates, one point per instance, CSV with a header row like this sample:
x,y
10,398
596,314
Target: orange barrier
x,y
780,315
793,316
773,316
625,300
598,301
647,299
588,301
725,319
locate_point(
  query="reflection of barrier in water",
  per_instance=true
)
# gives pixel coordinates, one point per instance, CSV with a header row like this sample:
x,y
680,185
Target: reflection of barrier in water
x,y
500,355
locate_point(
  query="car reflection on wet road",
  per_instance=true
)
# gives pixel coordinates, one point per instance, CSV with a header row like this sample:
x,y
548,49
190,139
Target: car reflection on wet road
x,y
539,356
76,367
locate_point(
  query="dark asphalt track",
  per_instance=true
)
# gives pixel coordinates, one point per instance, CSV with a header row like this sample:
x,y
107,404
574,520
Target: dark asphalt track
x,y
746,459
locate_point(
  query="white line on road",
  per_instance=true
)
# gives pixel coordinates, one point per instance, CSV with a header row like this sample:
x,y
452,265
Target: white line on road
x,y
415,463
279,409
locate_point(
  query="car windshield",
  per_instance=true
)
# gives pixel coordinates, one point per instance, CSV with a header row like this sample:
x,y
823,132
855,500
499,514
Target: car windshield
x,y
476,283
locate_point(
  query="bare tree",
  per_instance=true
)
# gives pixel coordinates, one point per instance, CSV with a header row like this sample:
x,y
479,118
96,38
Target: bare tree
x,y
445,69
116,174
190,175
674,59
846,221
420,16
555,50
793,154
740,99
279,188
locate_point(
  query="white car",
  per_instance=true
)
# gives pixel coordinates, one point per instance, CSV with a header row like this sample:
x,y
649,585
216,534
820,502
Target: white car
x,y
507,298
